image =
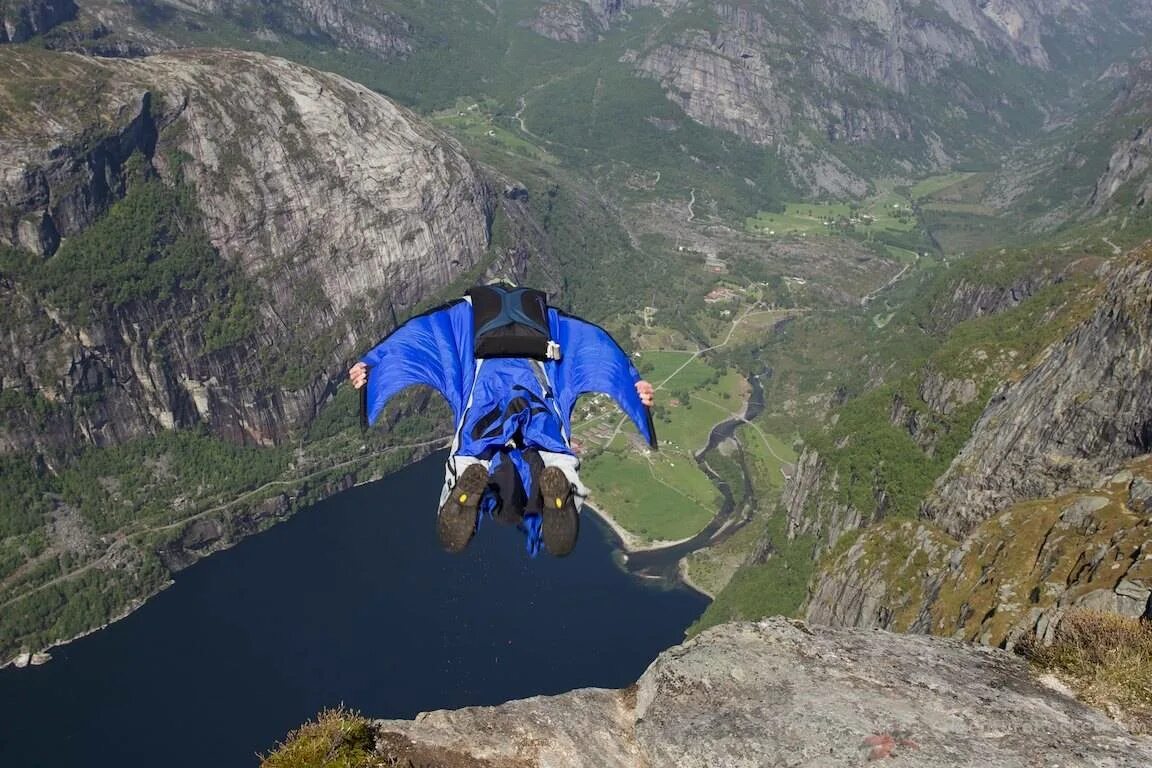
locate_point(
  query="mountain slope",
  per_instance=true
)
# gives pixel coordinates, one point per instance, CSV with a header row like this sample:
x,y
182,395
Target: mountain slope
x,y
737,106
331,211
1082,410
839,92
1044,509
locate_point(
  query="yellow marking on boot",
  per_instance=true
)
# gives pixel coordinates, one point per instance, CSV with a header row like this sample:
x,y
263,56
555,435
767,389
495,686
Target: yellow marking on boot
x,y
463,498
559,503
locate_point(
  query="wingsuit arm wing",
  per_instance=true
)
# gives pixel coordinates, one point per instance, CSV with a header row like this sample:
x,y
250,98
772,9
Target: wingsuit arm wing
x,y
434,348
594,362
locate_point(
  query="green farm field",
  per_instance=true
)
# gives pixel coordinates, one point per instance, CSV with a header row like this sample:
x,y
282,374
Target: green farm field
x,y
636,492
887,212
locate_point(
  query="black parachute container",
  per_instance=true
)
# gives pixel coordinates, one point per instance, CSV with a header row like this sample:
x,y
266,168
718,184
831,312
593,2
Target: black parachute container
x,y
511,322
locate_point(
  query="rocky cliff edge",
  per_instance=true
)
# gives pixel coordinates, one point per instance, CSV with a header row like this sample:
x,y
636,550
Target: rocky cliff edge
x,y
782,693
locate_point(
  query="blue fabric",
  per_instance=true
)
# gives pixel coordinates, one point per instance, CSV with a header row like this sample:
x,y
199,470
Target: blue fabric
x,y
504,399
426,349
530,527
508,401
593,362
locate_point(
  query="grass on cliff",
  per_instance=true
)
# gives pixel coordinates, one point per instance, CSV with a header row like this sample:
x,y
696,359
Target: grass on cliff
x,y
337,738
1106,658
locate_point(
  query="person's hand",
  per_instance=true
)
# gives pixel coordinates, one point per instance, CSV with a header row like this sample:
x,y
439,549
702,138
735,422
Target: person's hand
x,y
358,374
646,391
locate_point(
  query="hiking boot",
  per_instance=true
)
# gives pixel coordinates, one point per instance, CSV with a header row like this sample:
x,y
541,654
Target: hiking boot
x,y
456,522
561,522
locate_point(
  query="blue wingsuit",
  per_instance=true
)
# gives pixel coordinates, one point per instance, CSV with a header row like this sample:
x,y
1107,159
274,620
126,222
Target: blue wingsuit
x,y
503,406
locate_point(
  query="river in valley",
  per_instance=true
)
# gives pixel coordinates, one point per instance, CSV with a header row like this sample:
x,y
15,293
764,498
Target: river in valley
x,y
664,562
351,602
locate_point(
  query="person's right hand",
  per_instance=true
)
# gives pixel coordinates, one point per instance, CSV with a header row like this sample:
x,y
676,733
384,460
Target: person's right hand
x,y
646,392
358,374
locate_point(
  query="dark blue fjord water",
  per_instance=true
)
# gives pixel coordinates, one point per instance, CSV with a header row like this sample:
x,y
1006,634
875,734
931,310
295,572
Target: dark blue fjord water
x,y
350,602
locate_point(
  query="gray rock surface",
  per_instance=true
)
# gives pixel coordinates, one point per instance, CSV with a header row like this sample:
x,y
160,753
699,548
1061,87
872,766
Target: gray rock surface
x,y
1128,173
1019,572
21,20
970,299
813,508
781,693
343,209
351,24
1083,410
569,22
1140,495
879,581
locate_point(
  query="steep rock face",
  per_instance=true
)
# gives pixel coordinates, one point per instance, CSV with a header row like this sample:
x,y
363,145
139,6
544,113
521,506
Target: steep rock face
x,y
21,20
1128,167
783,693
852,477
337,208
355,24
878,581
1129,164
582,21
944,394
569,22
1085,408
1020,571
811,499
1015,574
1096,163
1008,546
765,72
813,509
970,299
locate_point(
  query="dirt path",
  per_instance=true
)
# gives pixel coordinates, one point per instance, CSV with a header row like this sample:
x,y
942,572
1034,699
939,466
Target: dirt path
x,y
866,298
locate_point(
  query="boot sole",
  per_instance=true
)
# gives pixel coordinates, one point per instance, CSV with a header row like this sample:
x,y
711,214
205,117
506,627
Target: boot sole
x,y
456,522
560,525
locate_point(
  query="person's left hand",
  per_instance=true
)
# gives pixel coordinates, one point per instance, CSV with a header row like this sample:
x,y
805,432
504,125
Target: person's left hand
x,y
646,391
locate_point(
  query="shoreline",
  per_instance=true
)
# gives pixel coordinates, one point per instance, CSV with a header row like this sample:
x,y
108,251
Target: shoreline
x,y
631,544
135,605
